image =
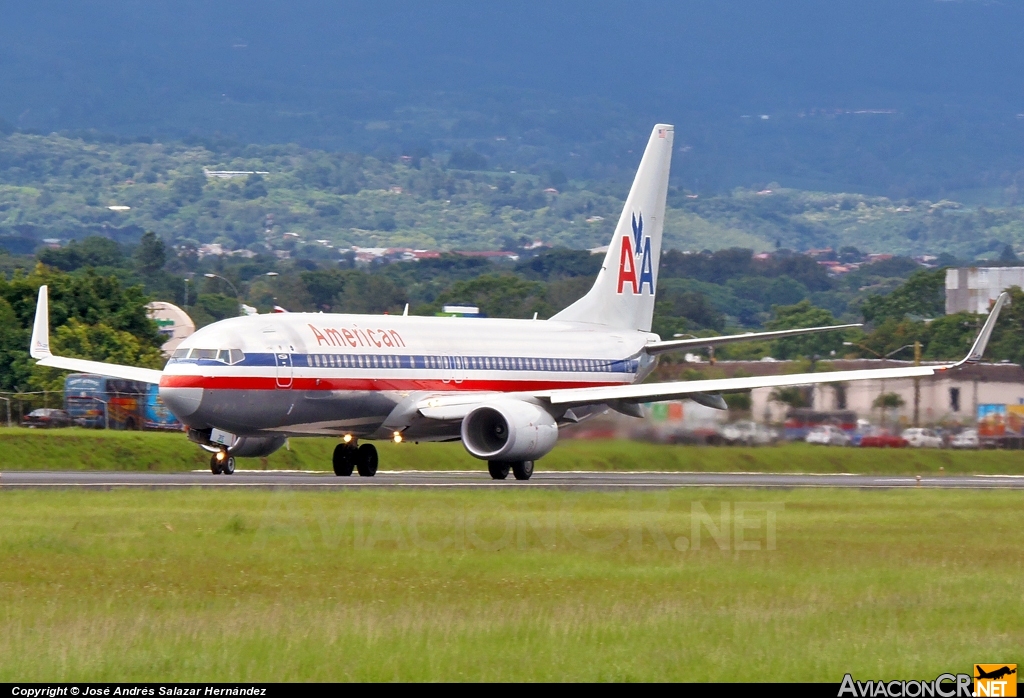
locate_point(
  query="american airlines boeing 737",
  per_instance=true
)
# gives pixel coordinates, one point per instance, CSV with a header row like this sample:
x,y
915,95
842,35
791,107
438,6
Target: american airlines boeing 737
x,y
503,387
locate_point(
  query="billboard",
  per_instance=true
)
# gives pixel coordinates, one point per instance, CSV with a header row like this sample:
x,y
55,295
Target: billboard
x,y
991,420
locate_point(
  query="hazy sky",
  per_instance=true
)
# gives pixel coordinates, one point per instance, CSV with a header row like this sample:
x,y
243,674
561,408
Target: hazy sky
x,y
732,54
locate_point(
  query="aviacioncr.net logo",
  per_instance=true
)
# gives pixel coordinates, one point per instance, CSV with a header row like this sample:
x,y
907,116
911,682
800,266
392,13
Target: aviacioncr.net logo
x,y
636,268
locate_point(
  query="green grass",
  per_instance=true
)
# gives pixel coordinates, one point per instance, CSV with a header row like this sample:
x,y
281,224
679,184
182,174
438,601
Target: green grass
x,y
80,449
532,585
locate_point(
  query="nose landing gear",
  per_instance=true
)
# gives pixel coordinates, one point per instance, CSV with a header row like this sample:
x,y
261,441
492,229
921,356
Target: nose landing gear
x,y
222,462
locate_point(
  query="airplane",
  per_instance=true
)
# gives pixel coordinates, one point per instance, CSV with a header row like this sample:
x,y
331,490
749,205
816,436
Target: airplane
x,y
995,674
504,387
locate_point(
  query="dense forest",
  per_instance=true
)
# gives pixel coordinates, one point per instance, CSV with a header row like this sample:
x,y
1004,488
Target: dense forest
x,y
316,204
99,288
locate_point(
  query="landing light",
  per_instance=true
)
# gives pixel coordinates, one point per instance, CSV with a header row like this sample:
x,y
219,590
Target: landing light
x,y
220,455
398,437
347,438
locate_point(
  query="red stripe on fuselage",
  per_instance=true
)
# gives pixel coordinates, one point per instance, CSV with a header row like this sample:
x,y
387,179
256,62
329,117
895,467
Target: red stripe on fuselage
x,y
432,384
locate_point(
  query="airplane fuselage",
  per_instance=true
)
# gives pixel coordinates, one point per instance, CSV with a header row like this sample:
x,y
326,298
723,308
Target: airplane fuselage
x,y
332,374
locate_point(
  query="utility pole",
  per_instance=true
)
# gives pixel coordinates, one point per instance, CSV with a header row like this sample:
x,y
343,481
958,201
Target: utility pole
x,y
917,385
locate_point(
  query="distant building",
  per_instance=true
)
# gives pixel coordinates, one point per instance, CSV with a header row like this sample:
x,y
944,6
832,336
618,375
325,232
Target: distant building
x,y
173,323
973,289
231,174
951,397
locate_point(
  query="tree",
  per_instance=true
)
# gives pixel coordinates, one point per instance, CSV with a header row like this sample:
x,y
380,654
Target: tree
x,y
794,396
499,295
151,254
97,342
93,251
888,401
467,160
923,295
91,316
254,187
803,314
188,186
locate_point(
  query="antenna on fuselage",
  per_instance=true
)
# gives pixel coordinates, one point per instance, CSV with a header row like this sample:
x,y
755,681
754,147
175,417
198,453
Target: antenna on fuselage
x,y
405,313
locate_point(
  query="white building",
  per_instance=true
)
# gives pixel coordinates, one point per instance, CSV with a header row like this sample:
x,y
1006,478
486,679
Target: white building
x,y
975,288
951,396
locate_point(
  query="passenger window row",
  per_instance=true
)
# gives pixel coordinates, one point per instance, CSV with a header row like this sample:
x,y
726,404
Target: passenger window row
x,y
468,362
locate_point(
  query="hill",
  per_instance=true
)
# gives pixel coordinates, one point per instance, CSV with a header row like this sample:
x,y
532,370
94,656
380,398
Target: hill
x,y
62,186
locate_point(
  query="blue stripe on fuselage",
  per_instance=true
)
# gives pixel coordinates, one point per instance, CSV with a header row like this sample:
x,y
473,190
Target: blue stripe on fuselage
x,y
432,362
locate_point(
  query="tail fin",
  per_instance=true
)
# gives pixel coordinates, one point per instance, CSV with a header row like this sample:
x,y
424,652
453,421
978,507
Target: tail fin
x,y
623,294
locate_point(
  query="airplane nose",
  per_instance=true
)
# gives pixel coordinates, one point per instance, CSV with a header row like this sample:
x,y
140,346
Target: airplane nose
x,y
183,402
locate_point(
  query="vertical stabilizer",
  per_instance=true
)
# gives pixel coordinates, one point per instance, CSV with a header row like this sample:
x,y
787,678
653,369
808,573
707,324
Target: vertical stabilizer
x,y
623,294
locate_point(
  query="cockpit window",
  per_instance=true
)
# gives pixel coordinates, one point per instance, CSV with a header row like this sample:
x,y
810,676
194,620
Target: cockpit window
x,y
226,356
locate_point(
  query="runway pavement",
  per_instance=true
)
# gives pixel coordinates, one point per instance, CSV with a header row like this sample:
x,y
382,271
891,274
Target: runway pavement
x,y
480,479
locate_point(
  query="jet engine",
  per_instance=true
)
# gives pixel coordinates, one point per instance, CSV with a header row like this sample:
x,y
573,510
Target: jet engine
x,y
509,430
256,446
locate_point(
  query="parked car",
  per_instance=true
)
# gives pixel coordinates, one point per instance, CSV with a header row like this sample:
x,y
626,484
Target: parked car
x,y
748,433
918,437
968,438
47,418
880,438
828,435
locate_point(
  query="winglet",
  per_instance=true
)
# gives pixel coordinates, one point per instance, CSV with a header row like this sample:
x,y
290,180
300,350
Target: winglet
x,y
39,347
978,349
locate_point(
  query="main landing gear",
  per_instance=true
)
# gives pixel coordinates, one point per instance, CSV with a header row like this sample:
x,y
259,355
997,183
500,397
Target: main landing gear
x,y
349,457
222,462
521,469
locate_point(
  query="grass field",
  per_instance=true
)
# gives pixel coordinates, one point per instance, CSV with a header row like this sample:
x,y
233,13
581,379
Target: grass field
x,y
507,585
80,449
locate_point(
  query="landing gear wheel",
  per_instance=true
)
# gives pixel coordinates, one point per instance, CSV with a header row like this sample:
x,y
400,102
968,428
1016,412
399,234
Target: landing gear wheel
x,y
344,460
366,460
522,469
227,467
497,469
215,464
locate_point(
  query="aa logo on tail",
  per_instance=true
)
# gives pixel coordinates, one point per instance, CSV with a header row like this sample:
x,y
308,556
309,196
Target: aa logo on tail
x,y
636,268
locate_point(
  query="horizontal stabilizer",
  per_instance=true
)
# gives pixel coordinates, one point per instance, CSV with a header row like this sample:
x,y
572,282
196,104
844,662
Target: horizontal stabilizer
x,y
707,342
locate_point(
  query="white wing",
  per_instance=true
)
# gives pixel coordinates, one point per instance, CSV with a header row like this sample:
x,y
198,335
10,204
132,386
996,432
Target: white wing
x,y
456,406
39,348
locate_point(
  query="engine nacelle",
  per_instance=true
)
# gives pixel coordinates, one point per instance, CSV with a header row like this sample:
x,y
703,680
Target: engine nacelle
x,y
509,430
256,446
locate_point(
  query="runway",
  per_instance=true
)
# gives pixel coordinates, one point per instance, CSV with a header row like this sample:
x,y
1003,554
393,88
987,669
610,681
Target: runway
x,y
478,479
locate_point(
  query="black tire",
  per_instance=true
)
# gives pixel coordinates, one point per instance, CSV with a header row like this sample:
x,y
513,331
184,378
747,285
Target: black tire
x,y
228,466
366,460
522,469
497,469
215,465
344,460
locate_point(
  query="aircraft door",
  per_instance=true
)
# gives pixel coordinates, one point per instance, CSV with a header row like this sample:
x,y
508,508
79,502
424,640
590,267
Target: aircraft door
x,y
283,362
459,366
